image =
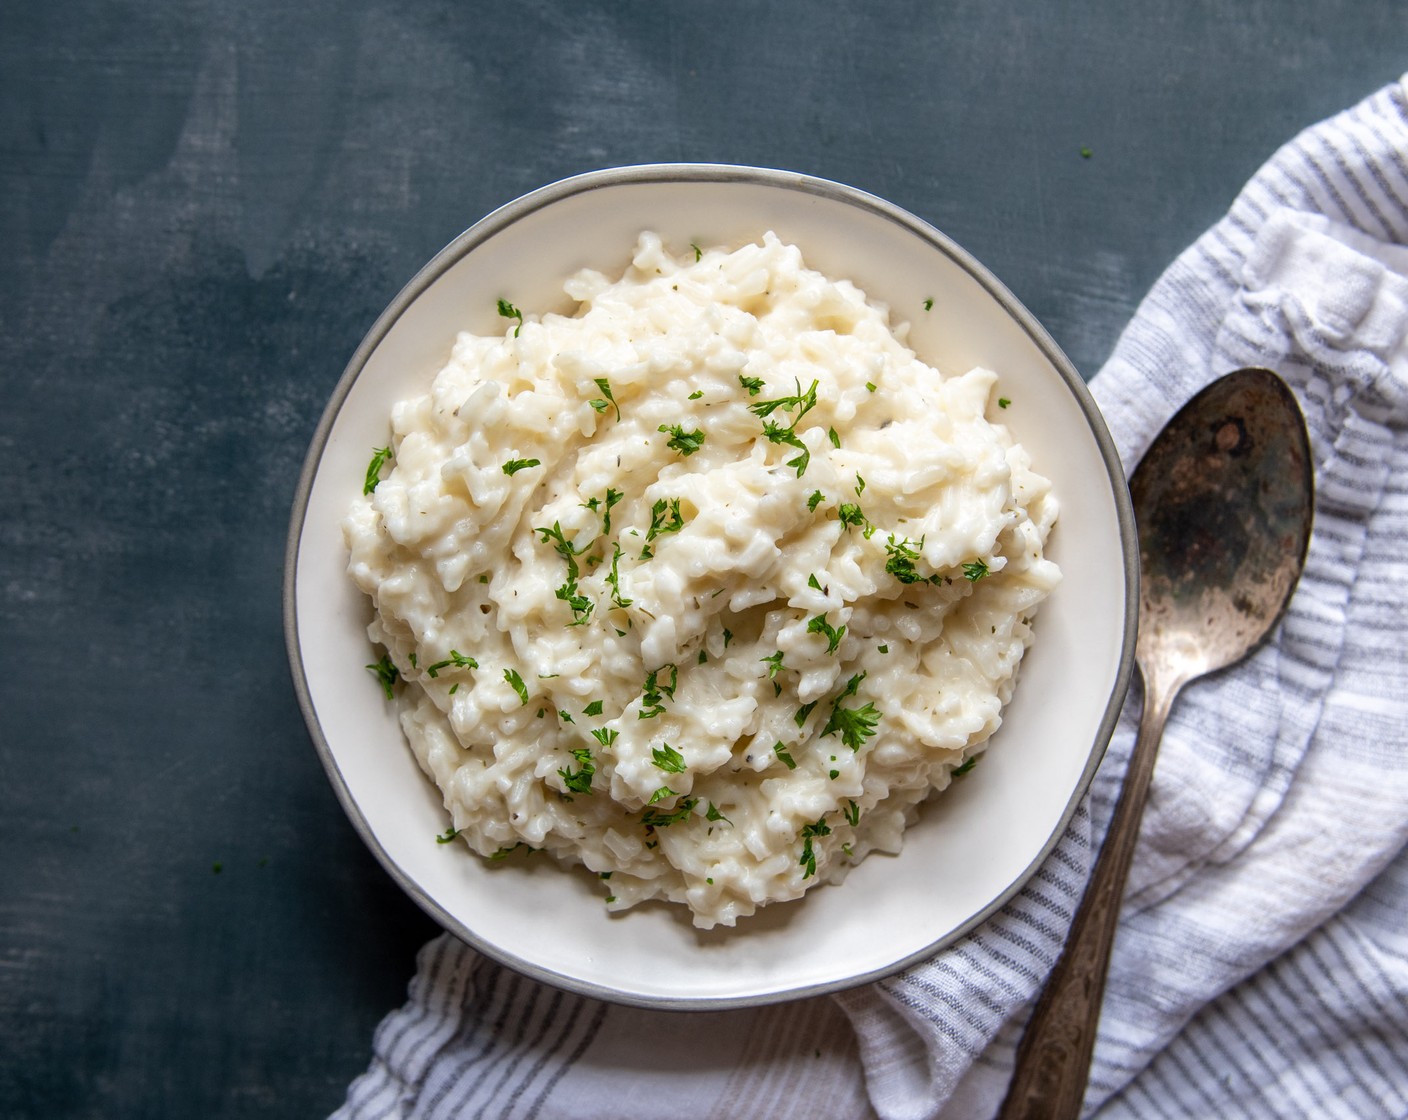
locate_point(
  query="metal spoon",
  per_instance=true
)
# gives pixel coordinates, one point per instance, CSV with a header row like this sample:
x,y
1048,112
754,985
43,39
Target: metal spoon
x,y
1222,503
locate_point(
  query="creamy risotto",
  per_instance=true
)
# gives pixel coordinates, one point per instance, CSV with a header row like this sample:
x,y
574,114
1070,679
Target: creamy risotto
x,y
705,586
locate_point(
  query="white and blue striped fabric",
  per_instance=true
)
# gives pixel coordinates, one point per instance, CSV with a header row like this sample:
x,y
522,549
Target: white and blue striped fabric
x,y
1262,964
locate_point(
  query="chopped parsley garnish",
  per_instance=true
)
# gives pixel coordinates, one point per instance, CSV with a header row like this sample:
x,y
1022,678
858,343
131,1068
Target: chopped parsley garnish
x,y
754,385
513,466
815,500
776,433
685,442
660,795
803,712
834,634
605,735
593,709
569,592
852,813
668,759
902,555
698,252
713,814
665,517
380,457
579,780
656,818
1003,402
579,604
614,578
694,396
456,660
385,671
928,305
774,663
818,828
511,675
855,725
656,691
565,716
975,570
603,507
813,582
728,636
870,386
803,402
834,438
850,514
967,764
508,311
607,399
504,853
786,759
448,835
860,486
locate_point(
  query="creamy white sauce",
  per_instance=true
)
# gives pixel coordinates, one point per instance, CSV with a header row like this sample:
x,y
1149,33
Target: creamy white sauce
x,y
716,670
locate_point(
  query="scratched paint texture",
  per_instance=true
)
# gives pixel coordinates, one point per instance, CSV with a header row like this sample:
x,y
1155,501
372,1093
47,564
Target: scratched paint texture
x,y
204,206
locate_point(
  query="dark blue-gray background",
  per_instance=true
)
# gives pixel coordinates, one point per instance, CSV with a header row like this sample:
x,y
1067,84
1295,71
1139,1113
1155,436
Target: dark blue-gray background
x,y
203,206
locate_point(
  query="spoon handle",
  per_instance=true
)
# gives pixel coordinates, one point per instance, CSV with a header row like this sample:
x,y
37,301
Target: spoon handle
x,y
1053,1060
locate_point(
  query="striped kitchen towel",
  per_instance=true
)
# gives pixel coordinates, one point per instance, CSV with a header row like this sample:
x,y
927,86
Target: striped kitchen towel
x,y
1261,968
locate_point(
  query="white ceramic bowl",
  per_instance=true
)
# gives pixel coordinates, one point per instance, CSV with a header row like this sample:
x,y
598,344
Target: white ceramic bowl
x,y
975,844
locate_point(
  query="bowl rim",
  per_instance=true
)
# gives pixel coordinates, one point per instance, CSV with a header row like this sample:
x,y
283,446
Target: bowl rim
x,y
656,173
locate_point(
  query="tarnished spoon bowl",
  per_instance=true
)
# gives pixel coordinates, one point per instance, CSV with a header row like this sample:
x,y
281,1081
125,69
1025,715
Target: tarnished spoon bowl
x,y
1223,504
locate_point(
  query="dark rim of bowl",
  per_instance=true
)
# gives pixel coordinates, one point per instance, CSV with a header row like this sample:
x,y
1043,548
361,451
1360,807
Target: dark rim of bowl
x,y
512,212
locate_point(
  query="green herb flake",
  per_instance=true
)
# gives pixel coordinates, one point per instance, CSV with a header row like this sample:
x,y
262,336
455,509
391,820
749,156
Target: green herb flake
x,y
902,555
855,725
965,767
607,399
975,570
593,709
870,386
850,514
513,466
614,578
655,691
380,457
656,818
605,735
852,813
1003,402
754,385
668,759
786,759
833,634
446,836
803,712
661,794
603,506
713,814
685,442
1085,152
774,663
834,438
694,396
508,311
456,660
809,832
385,671
698,252
815,500
511,675
665,517
928,305
579,780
